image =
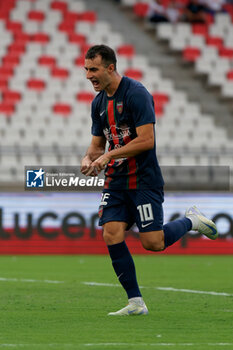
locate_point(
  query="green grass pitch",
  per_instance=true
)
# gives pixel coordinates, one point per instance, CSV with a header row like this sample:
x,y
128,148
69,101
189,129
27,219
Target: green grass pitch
x,y
36,314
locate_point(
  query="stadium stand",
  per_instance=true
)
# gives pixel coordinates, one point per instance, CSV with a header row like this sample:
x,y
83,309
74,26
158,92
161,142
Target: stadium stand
x,y
208,45
45,98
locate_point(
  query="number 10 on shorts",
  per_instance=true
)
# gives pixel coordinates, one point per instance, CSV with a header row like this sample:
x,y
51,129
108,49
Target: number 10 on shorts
x,y
145,212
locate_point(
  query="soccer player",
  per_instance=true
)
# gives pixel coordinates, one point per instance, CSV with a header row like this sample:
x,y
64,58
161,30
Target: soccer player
x,y
123,115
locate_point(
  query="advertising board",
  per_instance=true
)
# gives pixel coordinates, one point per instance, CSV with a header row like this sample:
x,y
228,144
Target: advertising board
x,y
67,223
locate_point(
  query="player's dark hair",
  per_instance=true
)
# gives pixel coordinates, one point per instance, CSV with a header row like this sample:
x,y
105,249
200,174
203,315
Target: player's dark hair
x,y
107,54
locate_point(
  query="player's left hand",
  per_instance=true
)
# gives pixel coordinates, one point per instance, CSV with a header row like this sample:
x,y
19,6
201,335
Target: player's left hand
x,y
99,163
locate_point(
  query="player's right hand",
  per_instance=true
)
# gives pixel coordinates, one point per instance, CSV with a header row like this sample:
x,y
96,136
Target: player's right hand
x,y
87,168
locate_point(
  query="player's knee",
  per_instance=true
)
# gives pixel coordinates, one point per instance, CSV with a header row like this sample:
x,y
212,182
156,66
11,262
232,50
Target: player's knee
x,y
108,237
112,236
155,245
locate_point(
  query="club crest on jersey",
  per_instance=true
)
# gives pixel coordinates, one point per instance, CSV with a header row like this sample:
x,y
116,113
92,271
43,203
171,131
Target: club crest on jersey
x,y
119,107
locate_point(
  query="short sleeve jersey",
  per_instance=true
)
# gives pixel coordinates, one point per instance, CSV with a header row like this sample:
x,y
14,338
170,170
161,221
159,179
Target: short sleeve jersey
x,y
116,118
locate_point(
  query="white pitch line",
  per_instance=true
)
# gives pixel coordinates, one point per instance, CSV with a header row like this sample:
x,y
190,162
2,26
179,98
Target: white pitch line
x,y
158,344
3,279
102,284
169,289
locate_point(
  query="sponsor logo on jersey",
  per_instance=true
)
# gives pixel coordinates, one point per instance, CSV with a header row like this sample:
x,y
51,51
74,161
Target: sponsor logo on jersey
x,y
120,133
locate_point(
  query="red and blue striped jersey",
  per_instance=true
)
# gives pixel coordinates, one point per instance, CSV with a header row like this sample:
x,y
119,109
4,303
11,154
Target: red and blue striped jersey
x,y
117,118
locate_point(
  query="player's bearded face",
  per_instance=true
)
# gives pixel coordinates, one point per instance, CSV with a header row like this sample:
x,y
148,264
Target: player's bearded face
x,y
97,73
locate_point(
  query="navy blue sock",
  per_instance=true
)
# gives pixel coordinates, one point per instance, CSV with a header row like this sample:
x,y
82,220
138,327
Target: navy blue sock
x,y
123,265
176,229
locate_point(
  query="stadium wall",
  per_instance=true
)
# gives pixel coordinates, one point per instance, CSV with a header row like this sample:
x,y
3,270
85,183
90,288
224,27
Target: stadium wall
x,y
67,223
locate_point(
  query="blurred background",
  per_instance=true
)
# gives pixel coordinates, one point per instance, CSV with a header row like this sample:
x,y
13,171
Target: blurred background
x,y
182,51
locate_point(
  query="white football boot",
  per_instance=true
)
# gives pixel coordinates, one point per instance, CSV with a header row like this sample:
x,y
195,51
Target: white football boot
x,y
136,306
201,223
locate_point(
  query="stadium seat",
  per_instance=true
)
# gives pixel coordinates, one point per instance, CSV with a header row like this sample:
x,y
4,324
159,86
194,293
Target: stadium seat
x,y
140,9
59,5
45,60
133,73
36,84
200,29
9,96
214,41
126,50
85,97
37,16
226,52
63,109
230,75
191,54
59,73
164,31
6,108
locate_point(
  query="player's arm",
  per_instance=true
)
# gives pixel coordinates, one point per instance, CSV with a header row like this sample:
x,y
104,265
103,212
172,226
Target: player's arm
x,y
94,151
143,142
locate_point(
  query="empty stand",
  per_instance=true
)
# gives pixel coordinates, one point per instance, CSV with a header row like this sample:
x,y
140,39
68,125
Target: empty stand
x,y
205,45
45,99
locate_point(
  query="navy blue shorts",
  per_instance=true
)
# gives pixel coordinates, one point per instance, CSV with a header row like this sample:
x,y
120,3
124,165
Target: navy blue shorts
x,y
143,207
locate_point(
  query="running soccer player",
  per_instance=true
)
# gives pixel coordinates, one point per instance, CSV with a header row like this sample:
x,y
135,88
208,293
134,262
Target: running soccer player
x,y
123,114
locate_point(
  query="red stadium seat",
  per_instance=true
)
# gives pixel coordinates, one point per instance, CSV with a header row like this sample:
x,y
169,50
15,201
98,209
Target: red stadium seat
x,y
84,48
229,8
36,16
59,5
79,61
7,108
10,96
6,72
3,83
5,8
22,37
10,60
226,52
126,50
4,14
160,98
14,27
230,75
77,38
191,54
36,84
200,29
209,18
16,49
45,60
71,17
60,73
158,110
62,108
85,97
134,73
214,41
67,27
140,9
41,38
88,16
9,4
